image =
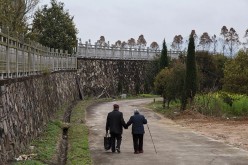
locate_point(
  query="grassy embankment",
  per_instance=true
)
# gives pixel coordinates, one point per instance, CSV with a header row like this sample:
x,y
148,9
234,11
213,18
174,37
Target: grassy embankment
x,y
218,104
46,145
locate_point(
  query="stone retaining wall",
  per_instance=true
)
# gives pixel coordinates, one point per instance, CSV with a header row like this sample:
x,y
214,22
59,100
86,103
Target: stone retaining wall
x,y
26,104
111,77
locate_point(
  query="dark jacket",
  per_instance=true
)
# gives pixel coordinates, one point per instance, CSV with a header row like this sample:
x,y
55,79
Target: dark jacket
x,y
115,122
137,121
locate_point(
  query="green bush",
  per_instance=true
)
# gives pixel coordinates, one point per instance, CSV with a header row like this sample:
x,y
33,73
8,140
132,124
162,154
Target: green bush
x,y
222,104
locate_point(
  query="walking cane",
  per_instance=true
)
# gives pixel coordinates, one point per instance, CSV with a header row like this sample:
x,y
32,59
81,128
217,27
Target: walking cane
x,y
152,139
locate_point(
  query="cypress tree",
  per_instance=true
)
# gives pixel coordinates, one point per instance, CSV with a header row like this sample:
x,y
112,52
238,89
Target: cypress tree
x,y
190,85
164,61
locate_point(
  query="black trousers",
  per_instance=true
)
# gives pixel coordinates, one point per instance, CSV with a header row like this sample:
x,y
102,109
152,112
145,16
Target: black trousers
x,y
115,138
138,142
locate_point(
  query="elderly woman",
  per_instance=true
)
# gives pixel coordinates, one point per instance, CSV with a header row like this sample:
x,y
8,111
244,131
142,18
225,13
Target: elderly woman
x,y
137,121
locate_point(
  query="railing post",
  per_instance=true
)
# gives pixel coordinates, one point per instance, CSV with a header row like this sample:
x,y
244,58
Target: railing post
x,y
16,58
53,61
29,57
95,49
56,56
67,59
7,53
147,52
86,49
139,52
131,53
24,63
2,58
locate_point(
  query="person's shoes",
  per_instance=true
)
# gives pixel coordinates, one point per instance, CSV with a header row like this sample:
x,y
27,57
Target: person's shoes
x,y
113,151
136,152
141,151
118,150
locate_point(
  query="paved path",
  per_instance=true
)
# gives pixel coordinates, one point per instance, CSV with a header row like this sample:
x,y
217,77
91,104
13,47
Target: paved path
x,y
175,145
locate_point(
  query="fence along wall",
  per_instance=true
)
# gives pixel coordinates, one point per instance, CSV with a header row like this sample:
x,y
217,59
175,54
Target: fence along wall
x,y
19,59
106,52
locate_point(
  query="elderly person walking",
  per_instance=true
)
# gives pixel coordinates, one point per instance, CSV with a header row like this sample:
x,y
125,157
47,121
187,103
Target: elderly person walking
x,y
137,121
114,124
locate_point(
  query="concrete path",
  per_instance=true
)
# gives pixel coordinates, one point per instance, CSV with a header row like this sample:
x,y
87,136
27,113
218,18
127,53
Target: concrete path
x,y
175,145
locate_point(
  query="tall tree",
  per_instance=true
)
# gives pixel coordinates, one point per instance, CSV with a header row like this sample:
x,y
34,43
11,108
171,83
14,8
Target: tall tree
x,y
177,42
154,45
232,40
215,43
196,38
205,41
236,74
101,41
164,60
124,44
15,15
190,85
246,40
131,42
118,43
223,34
207,71
169,83
141,41
54,27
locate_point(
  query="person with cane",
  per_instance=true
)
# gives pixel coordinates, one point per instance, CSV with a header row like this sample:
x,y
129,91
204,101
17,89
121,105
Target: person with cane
x,y
137,121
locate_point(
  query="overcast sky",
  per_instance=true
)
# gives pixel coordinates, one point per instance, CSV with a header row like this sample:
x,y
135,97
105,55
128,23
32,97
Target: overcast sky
x,y
155,19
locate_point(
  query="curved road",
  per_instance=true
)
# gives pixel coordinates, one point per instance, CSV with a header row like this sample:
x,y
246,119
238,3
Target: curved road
x,y
175,145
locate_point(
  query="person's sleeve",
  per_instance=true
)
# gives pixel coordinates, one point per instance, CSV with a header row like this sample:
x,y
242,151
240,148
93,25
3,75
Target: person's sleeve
x,y
130,121
144,120
107,124
123,123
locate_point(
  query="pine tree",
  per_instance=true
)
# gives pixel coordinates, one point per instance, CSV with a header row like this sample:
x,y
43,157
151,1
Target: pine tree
x,y
164,61
190,85
54,27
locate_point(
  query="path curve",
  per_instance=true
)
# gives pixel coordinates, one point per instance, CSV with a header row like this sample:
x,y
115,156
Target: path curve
x,y
175,145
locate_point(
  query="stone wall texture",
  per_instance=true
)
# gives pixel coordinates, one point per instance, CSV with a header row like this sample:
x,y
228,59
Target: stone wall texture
x,y
26,104
111,77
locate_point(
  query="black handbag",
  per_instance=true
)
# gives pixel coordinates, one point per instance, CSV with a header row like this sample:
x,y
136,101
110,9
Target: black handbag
x,y
107,142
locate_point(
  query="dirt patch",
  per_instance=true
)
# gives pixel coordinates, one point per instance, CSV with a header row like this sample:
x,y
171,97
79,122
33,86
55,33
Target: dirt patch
x,y
230,131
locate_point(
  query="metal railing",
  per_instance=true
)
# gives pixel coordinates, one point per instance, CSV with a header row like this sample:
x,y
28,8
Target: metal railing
x,y
106,52
18,59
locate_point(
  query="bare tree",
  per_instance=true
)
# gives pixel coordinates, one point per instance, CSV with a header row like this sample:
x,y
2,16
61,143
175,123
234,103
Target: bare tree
x,y
246,38
131,42
154,45
223,34
123,44
205,41
215,43
232,40
141,41
118,43
177,43
101,41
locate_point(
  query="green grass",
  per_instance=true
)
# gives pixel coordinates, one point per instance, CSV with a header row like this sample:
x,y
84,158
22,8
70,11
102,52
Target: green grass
x,y
45,146
141,96
31,162
78,152
222,104
170,112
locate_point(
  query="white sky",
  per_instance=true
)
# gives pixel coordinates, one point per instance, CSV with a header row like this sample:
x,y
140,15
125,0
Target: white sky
x,y
155,19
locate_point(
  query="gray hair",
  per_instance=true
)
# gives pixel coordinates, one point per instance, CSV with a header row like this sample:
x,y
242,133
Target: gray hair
x,y
136,111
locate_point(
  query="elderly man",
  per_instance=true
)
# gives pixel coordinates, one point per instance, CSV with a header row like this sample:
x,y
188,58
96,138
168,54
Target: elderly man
x,y
115,122
137,121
